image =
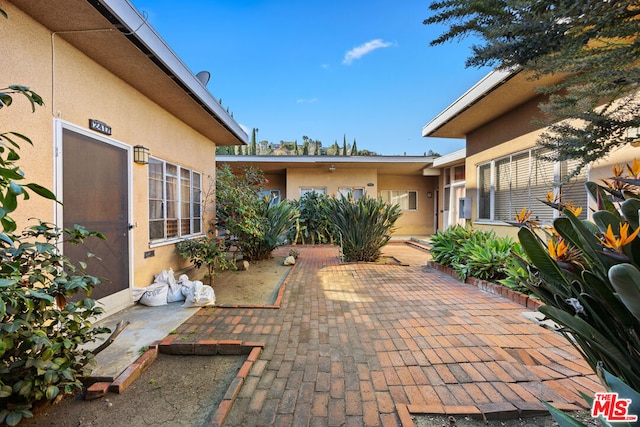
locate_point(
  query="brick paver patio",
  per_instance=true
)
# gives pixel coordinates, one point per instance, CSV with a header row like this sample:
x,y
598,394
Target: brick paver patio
x,y
366,345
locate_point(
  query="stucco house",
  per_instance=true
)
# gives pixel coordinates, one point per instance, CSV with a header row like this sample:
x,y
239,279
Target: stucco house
x,y
126,138
410,181
499,172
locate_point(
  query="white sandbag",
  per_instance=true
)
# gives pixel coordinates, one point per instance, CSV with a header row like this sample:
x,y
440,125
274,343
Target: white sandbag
x,y
198,295
290,260
174,293
155,294
137,293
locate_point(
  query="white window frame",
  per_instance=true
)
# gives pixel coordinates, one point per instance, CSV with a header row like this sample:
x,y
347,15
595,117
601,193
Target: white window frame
x,y
533,203
194,201
345,191
274,195
389,197
319,190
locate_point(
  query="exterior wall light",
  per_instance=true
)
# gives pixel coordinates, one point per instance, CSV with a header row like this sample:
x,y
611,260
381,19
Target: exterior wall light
x,y
332,168
140,155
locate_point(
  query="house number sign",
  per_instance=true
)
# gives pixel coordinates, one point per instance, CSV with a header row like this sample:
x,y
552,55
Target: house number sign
x,y
99,126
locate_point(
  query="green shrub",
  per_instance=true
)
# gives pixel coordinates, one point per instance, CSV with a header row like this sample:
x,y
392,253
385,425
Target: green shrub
x,y
475,253
314,225
446,244
279,218
256,223
206,251
365,226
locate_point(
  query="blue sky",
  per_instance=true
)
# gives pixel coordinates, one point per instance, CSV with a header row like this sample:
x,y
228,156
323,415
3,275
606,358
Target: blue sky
x,y
323,69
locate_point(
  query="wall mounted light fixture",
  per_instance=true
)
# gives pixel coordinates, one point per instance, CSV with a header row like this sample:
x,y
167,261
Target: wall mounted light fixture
x,y
141,155
332,168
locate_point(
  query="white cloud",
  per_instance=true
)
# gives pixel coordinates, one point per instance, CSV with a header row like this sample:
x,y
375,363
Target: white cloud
x,y
359,51
306,101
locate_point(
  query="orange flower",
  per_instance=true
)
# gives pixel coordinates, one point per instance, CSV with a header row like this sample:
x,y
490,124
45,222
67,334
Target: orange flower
x,y
523,216
552,197
617,170
634,168
557,249
617,243
575,210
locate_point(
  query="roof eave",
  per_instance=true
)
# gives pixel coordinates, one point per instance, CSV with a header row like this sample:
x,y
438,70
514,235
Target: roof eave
x,y
136,26
481,89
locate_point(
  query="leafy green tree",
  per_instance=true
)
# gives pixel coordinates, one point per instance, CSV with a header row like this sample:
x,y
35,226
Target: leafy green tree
x,y
334,150
593,44
305,148
354,148
296,150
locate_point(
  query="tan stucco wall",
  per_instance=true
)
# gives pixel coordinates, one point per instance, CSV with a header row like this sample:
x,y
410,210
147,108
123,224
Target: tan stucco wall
x,y
321,177
421,221
84,90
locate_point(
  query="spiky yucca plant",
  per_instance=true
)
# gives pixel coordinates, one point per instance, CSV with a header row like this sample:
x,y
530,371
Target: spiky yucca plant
x,y
365,226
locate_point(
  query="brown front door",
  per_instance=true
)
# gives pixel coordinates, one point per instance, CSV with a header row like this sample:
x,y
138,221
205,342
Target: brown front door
x,y
95,196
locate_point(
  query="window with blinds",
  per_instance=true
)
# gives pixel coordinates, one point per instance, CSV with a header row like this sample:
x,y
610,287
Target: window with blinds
x,y
484,191
521,180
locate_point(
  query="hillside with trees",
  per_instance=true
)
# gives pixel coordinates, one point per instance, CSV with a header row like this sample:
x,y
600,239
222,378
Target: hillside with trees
x,y
308,147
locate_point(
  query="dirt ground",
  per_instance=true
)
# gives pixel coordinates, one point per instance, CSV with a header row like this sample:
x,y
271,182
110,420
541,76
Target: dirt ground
x,y
259,284
176,390
181,391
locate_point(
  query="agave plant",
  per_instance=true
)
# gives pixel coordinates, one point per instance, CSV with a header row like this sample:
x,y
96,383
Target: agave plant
x,y
595,293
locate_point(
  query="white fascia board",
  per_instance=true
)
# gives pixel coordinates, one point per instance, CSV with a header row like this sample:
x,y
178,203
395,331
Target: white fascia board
x,y
126,13
478,91
323,159
450,158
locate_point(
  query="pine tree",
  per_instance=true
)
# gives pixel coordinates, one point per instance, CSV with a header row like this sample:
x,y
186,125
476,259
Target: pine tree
x,y
305,148
592,44
295,150
344,146
354,148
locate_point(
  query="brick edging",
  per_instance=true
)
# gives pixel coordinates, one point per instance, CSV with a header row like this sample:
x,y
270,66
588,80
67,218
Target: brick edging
x,y
490,287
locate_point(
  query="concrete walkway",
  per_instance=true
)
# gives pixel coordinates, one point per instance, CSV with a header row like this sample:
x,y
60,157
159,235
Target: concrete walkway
x,y
366,345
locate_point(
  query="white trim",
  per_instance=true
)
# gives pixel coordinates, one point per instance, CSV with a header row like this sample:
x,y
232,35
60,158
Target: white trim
x,y
450,158
122,298
324,159
478,91
138,25
179,237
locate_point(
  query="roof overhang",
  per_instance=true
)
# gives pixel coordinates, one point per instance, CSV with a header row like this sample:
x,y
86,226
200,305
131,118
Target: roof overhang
x,y
385,165
494,95
116,36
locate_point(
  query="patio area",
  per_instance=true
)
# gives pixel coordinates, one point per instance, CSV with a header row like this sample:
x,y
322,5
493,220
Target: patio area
x,y
361,344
